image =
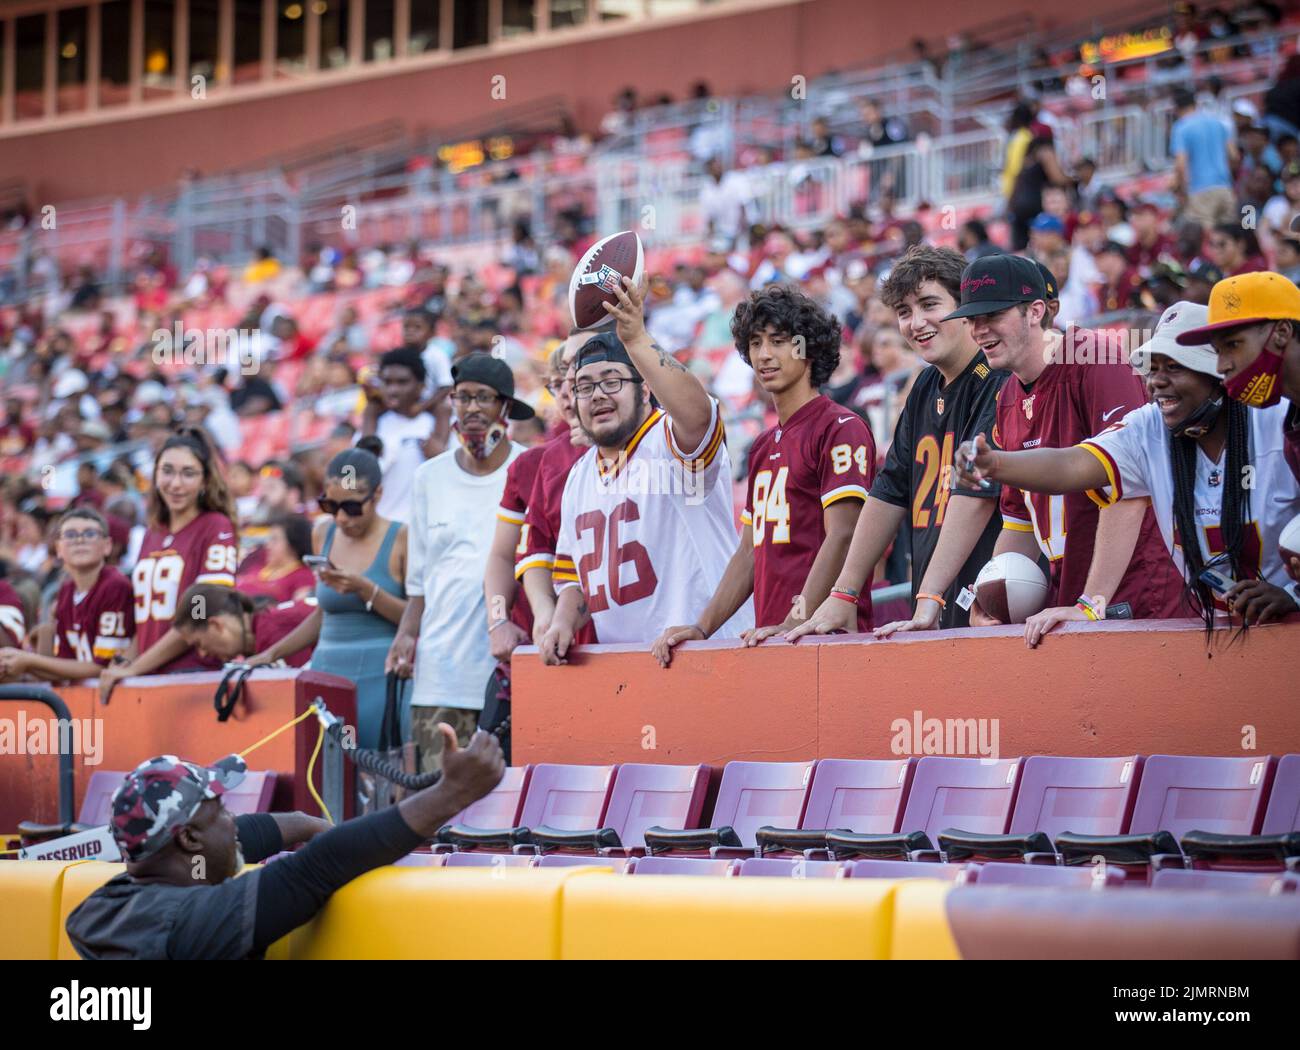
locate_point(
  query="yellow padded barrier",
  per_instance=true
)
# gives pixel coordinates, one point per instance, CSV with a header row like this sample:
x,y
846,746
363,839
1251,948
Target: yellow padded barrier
x,y
29,902
436,913
690,917
921,929
80,880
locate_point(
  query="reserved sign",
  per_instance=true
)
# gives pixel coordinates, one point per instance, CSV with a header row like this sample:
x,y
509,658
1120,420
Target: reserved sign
x,y
95,844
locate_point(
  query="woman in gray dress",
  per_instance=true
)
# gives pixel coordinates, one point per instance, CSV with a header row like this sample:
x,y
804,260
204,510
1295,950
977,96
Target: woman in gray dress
x,y
359,591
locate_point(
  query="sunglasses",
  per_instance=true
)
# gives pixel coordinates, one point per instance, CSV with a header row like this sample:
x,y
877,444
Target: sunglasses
x,y
353,508
71,536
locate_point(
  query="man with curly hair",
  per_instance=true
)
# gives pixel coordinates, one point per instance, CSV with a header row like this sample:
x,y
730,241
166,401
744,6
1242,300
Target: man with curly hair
x,y
952,399
808,476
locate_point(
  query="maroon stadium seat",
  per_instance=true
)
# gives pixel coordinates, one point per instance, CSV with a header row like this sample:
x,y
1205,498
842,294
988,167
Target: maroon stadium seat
x,y
1177,795
751,795
559,797
422,860
864,796
644,796
490,860
892,869
499,808
961,794
622,865
1229,881
684,866
1089,878
1276,846
1089,796
792,868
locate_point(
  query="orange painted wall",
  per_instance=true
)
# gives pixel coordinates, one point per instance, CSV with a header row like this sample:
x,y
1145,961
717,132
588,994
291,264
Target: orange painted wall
x,y
171,714
748,51
1107,689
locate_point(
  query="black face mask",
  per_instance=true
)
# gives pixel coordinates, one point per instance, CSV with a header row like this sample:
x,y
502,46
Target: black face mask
x,y
1202,421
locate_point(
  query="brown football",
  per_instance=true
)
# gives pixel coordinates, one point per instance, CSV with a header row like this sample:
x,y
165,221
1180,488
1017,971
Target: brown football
x,y
599,272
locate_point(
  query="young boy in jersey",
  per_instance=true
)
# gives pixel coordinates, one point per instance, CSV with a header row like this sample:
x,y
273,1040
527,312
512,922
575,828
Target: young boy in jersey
x,y
1181,452
951,400
646,517
808,477
1051,401
94,611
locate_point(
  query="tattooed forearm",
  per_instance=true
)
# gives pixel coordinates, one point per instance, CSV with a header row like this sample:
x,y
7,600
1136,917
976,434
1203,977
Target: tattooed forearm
x,y
666,360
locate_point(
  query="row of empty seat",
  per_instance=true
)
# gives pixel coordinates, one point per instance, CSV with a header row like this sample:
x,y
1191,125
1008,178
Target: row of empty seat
x,y
1139,815
995,873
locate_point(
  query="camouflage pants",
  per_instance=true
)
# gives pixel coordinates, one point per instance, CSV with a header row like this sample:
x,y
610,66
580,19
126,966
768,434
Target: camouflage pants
x,y
428,741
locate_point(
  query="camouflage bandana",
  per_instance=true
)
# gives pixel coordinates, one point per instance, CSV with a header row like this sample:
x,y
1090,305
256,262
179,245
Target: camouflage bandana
x,y
163,793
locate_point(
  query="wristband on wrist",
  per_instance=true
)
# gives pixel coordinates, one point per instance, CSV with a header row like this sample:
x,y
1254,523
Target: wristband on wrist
x,y
498,623
1089,608
933,597
845,595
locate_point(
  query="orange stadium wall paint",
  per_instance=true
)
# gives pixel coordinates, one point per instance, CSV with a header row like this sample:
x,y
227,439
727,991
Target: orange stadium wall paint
x,y
734,52
174,714
1108,689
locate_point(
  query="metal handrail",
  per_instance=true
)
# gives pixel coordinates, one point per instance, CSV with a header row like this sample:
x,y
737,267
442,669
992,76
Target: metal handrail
x,y
67,776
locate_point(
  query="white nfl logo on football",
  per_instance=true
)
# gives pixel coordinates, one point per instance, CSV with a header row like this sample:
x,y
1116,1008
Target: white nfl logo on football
x,y
600,273
1011,588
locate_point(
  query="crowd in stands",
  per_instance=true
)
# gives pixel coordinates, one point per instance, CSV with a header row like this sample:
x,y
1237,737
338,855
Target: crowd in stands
x,y
380,431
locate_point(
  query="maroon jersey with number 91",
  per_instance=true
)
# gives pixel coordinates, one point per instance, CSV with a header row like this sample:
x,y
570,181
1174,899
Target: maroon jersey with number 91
x,y
205,551
99,625
823,454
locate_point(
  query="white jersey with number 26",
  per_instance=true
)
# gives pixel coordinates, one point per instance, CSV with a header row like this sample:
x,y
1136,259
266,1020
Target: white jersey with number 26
x,y
648,536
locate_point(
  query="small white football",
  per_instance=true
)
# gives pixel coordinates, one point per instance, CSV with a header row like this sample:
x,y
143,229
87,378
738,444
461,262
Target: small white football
x,y
1011,588
599,272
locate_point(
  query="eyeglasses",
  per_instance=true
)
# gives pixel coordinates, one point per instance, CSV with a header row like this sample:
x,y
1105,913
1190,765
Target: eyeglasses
x,y
556,387
612,385
90,535
353,508
478,400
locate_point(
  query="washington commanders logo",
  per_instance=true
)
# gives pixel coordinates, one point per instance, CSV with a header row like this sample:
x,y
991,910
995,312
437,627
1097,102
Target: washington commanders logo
x,y
938,405
1027,406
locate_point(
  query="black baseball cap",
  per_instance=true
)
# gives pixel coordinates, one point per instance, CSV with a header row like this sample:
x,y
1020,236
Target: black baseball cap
x,y
605,347
492,371
1049,280
996,283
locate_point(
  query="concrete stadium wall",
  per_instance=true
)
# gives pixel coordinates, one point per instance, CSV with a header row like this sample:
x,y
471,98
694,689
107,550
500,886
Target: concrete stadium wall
x,y
1108,689
747,51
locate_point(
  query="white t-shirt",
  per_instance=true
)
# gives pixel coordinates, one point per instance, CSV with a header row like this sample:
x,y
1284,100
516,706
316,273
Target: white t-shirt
x,y
666,517
453,520
403,438
1135,452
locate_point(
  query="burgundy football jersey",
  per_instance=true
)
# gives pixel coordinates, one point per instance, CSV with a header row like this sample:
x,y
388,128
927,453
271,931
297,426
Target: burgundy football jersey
x,y
520,476
542,519
13,621
823,454
279,621
205,551
100,625
1067,403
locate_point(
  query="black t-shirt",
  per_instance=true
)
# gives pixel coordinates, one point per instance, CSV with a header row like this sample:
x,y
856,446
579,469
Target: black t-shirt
x,y
918,469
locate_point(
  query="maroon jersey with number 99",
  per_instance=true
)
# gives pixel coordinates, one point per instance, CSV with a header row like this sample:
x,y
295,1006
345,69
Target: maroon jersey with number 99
x,y
823,454
205,551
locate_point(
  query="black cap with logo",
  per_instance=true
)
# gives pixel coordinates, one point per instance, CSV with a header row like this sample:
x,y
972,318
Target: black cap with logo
x,y
491,371
1049,280
996,283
